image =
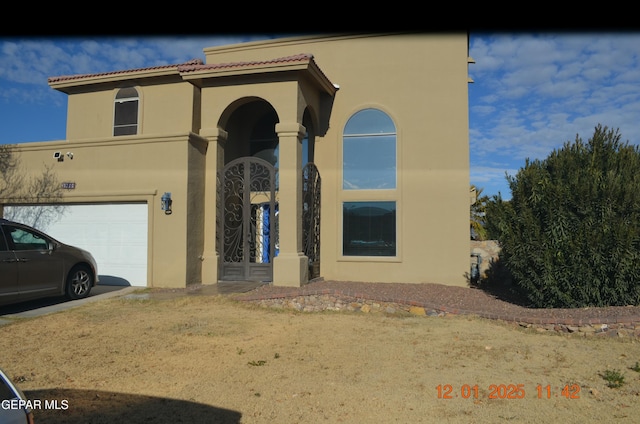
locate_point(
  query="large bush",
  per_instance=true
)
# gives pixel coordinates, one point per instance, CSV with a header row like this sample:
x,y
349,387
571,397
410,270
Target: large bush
x,y
570,234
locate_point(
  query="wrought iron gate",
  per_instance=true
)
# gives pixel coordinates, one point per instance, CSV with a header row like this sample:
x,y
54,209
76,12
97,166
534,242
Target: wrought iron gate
x,y
247,220
311,217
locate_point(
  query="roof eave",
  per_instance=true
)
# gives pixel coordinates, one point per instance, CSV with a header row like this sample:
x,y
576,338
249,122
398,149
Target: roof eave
x,y
197,75
65,83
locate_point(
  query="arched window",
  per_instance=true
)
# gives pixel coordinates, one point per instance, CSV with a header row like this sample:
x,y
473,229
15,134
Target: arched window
x,y
369,152
369,228
125,121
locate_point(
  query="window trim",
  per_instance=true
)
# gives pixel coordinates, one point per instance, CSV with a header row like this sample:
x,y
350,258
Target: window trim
x,y
370,195
395,225
341,257
117,100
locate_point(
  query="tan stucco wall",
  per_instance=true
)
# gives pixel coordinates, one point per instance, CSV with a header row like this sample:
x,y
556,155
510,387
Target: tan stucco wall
x,y
166,108
420,81
433,153
138,169
195,208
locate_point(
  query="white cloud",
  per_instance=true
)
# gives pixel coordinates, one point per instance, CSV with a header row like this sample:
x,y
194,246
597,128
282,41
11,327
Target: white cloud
x,y
532,93
483,110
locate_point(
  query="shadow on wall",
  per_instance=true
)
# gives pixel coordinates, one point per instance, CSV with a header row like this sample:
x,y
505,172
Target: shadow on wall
x,y
99,407
488,251
489,274
498,283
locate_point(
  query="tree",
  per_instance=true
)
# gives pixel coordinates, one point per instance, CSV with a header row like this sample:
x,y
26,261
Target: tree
x,y
10,179
17,188
478,215
570,235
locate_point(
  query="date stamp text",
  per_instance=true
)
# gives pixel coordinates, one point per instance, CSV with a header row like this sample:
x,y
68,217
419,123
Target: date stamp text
x,y
507,391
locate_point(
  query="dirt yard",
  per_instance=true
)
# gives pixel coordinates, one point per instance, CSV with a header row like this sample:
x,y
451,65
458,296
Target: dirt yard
x,y
207,359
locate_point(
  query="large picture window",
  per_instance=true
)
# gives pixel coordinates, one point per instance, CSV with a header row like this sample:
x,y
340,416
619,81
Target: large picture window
x,y
369,152
125,120
369,229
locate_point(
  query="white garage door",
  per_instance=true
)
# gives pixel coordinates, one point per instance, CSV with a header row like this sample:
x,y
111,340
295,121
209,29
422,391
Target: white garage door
x,y
114,233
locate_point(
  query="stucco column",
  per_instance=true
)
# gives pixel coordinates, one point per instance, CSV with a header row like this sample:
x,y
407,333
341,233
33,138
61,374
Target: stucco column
x,y
290,267
215,160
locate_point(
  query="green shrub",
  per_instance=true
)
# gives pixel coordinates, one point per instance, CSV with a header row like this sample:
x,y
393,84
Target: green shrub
x,y
570,235
614,378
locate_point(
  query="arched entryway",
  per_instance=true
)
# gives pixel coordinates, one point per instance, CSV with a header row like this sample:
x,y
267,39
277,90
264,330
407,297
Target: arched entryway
x,y
251,132
271,111
248,190
247,231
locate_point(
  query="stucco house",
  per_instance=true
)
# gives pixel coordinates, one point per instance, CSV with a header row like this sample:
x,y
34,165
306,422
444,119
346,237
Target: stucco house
x,y
344,157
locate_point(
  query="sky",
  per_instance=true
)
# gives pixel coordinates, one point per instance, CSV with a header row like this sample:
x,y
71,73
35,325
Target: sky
x,y
532,92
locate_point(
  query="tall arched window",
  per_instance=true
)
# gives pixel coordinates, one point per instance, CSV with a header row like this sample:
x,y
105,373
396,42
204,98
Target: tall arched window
x,y
369,152
369,228
125,117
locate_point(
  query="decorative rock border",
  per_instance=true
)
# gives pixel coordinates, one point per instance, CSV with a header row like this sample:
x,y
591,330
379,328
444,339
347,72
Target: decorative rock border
x,y
339,302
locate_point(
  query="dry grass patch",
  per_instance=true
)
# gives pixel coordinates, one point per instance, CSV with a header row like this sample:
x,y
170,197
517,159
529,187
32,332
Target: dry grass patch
x,y
211,359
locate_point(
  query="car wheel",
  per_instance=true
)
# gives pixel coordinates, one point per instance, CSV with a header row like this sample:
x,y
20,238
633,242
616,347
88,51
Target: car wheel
x,y
79,282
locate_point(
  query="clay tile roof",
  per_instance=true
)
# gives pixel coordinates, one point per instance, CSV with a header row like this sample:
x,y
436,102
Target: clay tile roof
x,y
304,57
193,62
191,68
